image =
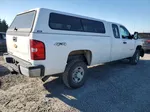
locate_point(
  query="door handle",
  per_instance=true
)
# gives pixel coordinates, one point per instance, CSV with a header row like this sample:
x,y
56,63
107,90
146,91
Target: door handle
x,y
124,42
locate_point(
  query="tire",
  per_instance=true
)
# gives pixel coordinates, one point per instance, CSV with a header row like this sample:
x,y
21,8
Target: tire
x,y
135,58
75,74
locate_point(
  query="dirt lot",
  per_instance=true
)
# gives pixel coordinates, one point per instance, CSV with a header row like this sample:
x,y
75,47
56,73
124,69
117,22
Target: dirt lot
x,y
113,87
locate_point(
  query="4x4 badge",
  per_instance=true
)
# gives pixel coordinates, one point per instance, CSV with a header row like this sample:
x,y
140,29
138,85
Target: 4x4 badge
x,y
60,44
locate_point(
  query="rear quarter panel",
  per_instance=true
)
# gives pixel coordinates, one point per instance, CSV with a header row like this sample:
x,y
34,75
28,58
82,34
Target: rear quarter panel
x,y
56,56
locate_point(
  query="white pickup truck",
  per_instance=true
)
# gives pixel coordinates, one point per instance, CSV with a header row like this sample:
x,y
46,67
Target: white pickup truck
x,y
43,42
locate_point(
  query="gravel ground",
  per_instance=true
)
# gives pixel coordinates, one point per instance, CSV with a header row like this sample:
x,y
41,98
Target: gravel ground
x,y
113,87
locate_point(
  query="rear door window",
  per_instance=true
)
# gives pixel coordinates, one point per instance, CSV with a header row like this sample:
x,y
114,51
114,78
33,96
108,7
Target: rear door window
x,y
115,31
23,22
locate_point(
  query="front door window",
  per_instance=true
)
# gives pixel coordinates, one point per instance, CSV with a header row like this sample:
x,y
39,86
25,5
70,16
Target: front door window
x,y
124,32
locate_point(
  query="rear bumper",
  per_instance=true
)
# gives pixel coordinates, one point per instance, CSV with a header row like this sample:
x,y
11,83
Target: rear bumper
x,y
23,67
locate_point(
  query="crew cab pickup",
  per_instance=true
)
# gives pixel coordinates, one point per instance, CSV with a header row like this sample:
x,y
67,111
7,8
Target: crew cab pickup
x,y
43,42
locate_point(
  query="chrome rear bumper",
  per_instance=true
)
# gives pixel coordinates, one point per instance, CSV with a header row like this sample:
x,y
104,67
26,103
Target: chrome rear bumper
x,y
23,67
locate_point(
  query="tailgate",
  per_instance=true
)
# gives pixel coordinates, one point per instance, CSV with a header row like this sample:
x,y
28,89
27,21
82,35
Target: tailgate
x,y
18,46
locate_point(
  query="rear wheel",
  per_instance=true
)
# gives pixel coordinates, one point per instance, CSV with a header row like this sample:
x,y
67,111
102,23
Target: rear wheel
x,y
135,58
75,74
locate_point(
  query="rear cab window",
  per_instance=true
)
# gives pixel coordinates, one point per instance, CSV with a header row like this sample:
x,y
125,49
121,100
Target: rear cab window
x,y
22,23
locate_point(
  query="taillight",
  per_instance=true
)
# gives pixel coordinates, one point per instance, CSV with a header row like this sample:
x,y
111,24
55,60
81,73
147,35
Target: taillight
x,y
148,41
37,50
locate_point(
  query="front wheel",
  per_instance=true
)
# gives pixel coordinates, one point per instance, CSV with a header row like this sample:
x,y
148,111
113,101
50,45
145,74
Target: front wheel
x,y
135,58
75,74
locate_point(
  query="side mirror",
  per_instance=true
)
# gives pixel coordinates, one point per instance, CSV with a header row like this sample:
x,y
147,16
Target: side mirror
x,y
135,36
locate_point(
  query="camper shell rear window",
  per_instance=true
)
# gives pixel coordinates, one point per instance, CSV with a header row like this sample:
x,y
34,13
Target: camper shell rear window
x,y
23,22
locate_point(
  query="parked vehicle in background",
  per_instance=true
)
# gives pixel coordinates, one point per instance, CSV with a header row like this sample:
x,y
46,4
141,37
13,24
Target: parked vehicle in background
x,y
3,47
146,45
146,40
50,42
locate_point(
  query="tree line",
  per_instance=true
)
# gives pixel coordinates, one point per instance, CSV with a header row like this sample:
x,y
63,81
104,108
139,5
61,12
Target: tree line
x,y
3,26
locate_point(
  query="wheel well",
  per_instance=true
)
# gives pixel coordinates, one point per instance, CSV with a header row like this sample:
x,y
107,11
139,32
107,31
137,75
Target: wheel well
x,y
139,47
85,55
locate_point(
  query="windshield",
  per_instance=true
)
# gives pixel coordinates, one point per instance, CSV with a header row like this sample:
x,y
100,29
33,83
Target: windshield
x,y
23,22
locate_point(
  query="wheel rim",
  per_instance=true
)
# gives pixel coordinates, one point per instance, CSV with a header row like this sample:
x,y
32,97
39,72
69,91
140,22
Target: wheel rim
x,y
137,57
78,74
